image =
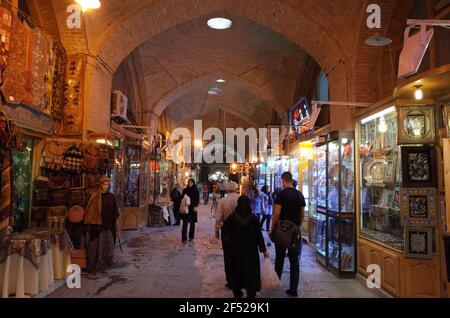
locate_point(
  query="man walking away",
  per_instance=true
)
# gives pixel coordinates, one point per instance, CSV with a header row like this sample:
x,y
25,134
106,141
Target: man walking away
x,y
225,208
289,205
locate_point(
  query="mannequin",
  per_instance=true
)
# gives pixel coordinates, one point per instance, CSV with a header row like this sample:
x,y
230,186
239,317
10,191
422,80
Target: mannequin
x,y
101,217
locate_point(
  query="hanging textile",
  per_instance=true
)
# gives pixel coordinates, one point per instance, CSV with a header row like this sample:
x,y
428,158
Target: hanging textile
x,y
49,75
73,106
17,78
5,35
59,73
5,195
22,180
39,69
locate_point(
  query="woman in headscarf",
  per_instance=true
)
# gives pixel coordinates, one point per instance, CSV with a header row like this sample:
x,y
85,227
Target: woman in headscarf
x,y
242,229
191,218
100,219
175,196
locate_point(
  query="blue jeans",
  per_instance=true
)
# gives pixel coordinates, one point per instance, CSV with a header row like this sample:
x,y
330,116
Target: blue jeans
x,y
294,261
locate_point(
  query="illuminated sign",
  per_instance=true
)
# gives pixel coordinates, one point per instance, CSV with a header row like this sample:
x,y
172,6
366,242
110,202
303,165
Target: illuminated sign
x,y
299,117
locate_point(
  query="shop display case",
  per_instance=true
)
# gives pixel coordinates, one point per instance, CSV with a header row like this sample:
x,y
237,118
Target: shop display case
x,y
381,179
333,200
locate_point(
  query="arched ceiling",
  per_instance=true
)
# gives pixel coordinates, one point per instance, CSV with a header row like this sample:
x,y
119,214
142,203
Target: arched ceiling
x,y
331,32
191,57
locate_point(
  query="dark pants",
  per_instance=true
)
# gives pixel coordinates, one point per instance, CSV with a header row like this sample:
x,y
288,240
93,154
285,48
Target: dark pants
x,y
294,262
184,230
222,194
227,261
266,218
205,197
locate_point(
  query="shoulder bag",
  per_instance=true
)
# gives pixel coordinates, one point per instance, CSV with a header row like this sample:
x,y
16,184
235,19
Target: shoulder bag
x,y
286,234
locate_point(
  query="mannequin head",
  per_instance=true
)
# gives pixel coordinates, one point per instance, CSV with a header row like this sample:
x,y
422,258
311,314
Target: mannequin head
x,y
104,184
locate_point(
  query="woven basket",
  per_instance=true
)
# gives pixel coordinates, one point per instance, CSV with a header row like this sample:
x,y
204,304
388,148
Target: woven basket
x,y
76,214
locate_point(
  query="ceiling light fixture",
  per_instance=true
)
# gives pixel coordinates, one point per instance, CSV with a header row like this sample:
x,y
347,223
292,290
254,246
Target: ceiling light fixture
x,y
89,4
418,93
215,91
219,23
221,80
378,40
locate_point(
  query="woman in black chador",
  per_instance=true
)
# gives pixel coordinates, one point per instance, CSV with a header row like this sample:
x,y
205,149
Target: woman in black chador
x,y
191,218
242,229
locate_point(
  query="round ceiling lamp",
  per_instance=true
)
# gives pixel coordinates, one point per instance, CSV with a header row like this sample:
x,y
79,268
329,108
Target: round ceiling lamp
x,y
220,23
221,80
378,40
215,91
89,4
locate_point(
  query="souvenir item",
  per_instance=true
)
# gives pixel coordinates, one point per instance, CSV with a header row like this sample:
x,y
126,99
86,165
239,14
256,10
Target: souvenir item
x,y
419,167
416,124
57,90
418,207
91,157
39,69
373,171
73,160
419,243
391,168
17,75
73,96
5,39
6,192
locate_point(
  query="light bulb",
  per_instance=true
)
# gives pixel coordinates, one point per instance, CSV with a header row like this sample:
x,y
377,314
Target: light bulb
x,y
89,4
418,94
198,143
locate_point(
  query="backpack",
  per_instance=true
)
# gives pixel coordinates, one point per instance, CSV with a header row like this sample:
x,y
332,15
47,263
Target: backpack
x,y
286,234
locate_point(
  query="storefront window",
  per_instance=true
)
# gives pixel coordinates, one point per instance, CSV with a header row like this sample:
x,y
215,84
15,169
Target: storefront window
x,y
22,169
133,171
380,167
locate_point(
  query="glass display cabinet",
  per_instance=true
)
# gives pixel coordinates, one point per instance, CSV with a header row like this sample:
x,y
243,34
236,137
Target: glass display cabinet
x,y
319,199
381,179
335,195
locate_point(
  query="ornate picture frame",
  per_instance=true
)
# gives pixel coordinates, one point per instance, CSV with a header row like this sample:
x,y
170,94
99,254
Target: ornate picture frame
x,y
374,171
391,168
419,243
416,124
446,110
418,207
419,167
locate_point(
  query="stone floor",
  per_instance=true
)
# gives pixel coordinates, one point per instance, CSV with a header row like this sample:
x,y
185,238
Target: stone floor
x,y
156,264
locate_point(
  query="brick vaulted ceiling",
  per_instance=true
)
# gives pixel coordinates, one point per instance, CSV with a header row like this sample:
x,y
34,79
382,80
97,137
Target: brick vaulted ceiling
x,y
331,32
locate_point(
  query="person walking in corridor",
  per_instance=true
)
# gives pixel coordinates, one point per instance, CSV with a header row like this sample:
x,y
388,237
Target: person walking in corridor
x,y
191,217
225,208
176,197
289,205
268,204
205,193
222,188
243,232
257,199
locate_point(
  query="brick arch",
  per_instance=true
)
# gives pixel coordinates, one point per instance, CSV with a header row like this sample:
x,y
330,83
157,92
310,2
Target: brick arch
x,y
303,26
181,90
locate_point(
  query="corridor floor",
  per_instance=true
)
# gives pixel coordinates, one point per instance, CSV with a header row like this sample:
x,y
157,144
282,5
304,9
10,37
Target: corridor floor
x,y
156,264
